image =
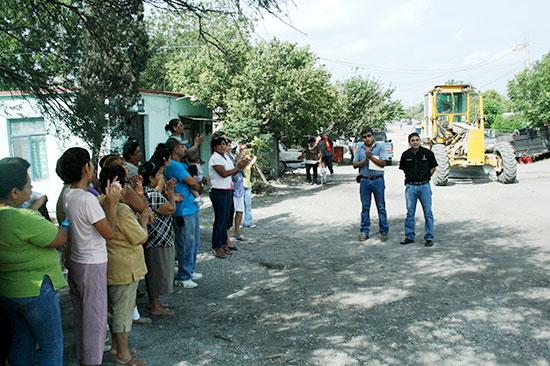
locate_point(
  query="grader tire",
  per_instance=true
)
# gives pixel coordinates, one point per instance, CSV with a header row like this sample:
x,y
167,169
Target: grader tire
x,y
509,172
441,175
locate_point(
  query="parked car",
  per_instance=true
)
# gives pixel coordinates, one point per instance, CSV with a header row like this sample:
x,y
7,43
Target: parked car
x,y
289,159
379,136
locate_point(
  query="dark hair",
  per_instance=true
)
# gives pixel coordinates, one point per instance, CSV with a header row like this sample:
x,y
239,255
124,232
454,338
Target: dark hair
x,y
171,126
311,139
413,135
193,156
217,141
13,174
172,143
218,133
366,130
129,148
103,159
69,165
109,173
161,155
147,171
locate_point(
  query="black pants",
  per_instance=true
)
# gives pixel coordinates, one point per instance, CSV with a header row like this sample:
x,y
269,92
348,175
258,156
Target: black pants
x,y
328,162
308,174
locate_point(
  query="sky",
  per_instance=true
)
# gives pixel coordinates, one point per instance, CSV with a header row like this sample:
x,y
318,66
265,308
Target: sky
x,y
413,45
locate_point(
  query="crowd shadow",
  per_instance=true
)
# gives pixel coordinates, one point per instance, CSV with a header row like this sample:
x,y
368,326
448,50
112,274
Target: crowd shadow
x,y
315,295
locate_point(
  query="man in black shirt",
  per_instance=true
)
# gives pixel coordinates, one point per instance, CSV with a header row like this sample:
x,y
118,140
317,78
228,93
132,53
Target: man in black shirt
x,y
418,164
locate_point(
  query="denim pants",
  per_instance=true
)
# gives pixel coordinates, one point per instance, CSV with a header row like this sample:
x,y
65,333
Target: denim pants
x,y
376,188
187,245
248,207
424,194
222,200
36,320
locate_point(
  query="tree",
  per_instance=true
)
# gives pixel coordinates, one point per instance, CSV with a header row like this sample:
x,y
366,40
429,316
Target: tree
x,y
365,102
493,107
281,91
82,58
529,92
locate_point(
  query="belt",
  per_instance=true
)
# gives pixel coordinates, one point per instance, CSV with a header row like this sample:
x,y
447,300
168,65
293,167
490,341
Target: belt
x,y
372,178
418,183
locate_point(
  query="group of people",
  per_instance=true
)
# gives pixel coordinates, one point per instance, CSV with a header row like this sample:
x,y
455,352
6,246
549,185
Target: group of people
x,y
132,220
318,152
418,165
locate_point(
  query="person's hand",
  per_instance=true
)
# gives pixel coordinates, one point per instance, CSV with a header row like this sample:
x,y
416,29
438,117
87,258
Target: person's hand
x,y
145,216
199,139
205,181
137,184
169,188
113,191
368,154
242,163
178,197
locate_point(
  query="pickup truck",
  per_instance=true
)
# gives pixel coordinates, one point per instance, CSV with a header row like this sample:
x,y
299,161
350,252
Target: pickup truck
x,y
289,159
380,137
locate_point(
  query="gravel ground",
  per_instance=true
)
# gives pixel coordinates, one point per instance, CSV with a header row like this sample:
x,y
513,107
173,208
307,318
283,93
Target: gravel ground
x,y
304,291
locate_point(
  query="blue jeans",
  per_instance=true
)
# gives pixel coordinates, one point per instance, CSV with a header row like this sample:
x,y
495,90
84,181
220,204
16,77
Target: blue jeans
x,y
187,245
424,194
376,187
221,202
248,207
36,320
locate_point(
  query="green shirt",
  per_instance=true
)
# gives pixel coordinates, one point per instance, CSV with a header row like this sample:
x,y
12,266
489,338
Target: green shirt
x,y
24,254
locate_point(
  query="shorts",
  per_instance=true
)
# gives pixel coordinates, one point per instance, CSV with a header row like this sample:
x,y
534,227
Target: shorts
x,y
238,202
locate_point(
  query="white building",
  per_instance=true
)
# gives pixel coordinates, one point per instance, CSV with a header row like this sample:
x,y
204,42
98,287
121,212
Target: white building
x,y
25,132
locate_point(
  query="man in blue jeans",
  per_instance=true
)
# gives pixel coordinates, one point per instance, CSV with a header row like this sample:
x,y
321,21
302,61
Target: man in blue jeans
x,y
370,158
418,164
186,217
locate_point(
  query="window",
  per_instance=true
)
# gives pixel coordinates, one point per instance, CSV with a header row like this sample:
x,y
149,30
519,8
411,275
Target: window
x,y
28,141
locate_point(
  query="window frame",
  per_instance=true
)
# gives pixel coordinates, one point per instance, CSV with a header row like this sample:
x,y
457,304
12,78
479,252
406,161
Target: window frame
x,y
29,137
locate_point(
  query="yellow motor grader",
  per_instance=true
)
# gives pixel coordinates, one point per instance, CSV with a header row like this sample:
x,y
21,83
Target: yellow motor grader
x,y
456,141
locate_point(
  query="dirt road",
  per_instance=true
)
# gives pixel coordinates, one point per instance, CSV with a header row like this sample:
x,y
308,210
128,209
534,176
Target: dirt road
x,y
305,291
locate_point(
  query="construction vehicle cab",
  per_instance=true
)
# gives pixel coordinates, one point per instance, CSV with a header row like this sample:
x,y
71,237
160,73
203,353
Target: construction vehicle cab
x,y
458,142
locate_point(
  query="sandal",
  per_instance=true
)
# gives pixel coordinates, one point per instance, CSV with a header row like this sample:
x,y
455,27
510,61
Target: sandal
x,y
219,253
227,250
131,362
240,238
143,320
113,358
163,312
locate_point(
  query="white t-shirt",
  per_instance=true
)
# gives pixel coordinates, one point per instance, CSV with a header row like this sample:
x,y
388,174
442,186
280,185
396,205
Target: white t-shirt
x,y
216,180
83,210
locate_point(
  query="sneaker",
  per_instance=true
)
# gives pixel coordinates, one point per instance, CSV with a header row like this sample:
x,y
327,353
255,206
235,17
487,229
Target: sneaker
x,y
363,237
406,241
185,283
196,276
429,243
383,237
250,226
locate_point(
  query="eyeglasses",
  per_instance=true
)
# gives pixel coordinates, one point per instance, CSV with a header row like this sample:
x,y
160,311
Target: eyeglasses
x,y
367,135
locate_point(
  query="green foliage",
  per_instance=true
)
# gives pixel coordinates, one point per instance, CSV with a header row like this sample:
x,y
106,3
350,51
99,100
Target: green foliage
x,y
493,107
415,112
508,123
365,102
283,88
529,92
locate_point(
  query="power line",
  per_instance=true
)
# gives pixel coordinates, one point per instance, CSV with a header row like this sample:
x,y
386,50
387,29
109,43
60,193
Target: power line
x,y
419,71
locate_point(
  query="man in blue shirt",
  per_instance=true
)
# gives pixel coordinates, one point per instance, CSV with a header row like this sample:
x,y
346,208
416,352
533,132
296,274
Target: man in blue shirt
x,y
186,217
370,158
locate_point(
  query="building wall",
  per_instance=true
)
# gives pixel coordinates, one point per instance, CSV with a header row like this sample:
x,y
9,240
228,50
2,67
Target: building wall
x,y
158,110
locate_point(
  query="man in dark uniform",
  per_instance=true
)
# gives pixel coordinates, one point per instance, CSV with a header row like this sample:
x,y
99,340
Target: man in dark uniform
x,y
418,164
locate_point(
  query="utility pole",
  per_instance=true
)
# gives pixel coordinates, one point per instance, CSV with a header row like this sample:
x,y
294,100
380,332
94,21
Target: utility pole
x,y
525,45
